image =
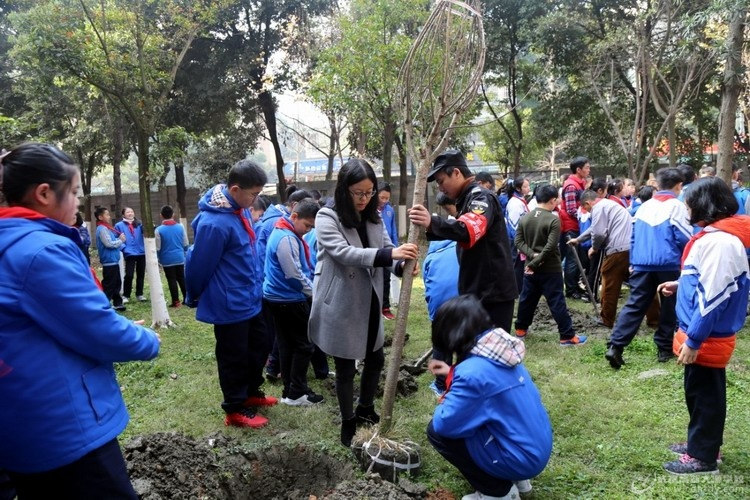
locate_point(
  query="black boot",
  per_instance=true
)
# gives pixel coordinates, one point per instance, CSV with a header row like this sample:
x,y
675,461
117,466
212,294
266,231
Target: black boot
x,y
366,415
348,428
614,356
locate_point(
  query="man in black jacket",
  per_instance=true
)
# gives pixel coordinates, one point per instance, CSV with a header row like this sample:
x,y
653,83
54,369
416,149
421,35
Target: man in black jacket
x,y
485,264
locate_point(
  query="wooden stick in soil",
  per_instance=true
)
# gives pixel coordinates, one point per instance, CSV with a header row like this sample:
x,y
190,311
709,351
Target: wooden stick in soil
x,y
437,83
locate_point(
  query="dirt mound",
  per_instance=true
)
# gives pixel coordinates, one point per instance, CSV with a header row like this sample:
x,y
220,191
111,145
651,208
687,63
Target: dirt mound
x,y
583,322
171,465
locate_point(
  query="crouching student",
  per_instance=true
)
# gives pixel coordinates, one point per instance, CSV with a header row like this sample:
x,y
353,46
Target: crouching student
x,y
287,292
711,303
491,423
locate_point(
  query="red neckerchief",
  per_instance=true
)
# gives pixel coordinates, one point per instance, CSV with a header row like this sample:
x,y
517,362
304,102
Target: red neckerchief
x,y
736,225
664,195
20,213
448,383
169,222
285,224
516,194
240,212
618,200
130,226
102,223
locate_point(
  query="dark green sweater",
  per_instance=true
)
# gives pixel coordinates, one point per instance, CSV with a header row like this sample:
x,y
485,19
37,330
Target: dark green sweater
x,y
538,237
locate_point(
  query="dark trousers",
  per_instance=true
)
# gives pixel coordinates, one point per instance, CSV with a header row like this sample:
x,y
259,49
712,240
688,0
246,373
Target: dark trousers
x,y
100,473
706,398
346,369
319,362
111,282
134,264
570,266
295,350
550,286
241,352
501,313
386,288
272,366
518,266
175,277
455,452
615,270
642,290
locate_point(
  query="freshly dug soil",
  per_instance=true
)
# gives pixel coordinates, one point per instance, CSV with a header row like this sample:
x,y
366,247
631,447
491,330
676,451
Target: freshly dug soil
x,y
171,465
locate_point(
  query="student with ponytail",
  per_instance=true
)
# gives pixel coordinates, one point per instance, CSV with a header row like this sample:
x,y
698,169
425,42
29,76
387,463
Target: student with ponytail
x,y
62,409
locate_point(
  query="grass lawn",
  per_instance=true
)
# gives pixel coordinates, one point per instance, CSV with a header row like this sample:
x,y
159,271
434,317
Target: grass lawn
x,y
611,428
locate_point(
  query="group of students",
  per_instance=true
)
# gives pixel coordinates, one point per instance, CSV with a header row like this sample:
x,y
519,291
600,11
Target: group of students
x,y
125,240
326,291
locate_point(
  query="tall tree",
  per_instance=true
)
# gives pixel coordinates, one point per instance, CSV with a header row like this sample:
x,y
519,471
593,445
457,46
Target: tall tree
x,y
130,50
732,84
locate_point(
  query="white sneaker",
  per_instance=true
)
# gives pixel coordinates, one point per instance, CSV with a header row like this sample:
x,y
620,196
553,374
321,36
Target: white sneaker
x,y
303,400
512,495
523,486
141,298
125,300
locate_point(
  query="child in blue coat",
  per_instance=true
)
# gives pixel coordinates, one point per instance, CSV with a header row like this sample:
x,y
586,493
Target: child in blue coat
x,y
491,423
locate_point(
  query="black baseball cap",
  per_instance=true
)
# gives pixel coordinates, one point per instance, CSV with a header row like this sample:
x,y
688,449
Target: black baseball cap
x,y
451,158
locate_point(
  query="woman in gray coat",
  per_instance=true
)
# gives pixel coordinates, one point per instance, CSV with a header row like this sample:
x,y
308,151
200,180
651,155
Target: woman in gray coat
x,y
345,320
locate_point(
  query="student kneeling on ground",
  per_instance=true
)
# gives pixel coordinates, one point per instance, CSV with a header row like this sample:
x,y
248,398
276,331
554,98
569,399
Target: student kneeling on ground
x,y
491,423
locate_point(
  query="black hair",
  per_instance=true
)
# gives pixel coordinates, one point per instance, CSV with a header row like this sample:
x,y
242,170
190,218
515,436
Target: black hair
x,y
297,196
615,186
710,199
99,211
464,169
668,177
315,195
291,188
515,185
79,220
354,171
259,204
246,174
546,193
384,186
589,195
578,162
167,212
645,193
688,174
599,184
34,163
306,209
457,323
484,177
442,200
136,222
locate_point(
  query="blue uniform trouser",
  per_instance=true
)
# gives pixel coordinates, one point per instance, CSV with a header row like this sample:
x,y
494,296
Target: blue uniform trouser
x,y
455,452
642,290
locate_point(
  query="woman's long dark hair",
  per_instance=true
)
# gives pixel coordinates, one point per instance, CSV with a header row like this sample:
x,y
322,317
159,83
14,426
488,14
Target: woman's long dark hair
x,y
354,171
710,199
514,186
457,323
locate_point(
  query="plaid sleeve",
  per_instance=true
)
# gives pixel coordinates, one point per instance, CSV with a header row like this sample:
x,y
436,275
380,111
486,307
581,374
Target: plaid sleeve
x,y
570,202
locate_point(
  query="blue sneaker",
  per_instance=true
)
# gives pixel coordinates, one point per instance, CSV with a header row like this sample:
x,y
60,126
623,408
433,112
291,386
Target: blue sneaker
x,y
436,390
576,340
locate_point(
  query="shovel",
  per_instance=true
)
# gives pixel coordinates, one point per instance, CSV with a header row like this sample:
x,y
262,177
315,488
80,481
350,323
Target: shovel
x,y
585,280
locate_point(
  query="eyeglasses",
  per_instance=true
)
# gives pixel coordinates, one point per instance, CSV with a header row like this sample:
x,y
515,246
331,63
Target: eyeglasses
x,y
363,195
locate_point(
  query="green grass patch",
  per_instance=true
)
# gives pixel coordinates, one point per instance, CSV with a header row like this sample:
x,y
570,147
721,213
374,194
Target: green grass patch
x,y
611,428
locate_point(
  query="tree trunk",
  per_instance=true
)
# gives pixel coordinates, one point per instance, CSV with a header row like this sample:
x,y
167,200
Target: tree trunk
x,y
117,153
332,140
389,132
730,94
403,184
265,99
672,139
179,178
159,313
